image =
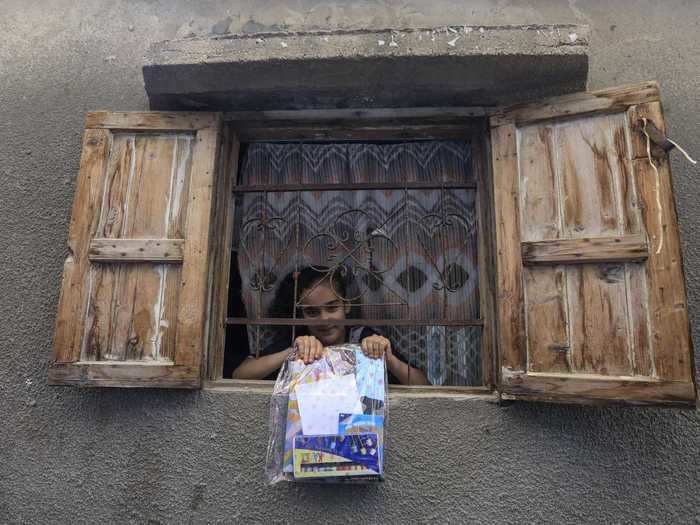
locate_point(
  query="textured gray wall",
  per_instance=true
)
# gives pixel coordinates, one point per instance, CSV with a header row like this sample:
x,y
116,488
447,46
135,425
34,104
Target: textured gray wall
x,y
168,456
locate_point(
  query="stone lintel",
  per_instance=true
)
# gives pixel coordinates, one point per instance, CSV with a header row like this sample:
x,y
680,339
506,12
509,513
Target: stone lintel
x,y
449,66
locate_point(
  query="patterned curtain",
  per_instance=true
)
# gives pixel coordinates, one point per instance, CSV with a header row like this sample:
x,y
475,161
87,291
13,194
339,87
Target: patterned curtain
x,y
409,253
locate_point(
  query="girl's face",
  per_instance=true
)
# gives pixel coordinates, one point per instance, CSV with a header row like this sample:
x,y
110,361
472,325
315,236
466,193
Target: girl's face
x,y
321,302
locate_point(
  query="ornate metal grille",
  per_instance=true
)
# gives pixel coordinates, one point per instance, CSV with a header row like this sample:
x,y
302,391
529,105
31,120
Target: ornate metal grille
x,y
397,223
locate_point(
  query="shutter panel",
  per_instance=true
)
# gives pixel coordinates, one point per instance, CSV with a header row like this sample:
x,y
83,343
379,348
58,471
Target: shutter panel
x,y
590,292
132,308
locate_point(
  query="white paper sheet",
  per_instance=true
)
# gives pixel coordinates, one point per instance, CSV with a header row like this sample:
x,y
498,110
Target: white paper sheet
x,y
321,403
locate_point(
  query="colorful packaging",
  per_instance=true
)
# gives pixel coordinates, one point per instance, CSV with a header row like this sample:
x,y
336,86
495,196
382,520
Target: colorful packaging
x,y
344,455
327,418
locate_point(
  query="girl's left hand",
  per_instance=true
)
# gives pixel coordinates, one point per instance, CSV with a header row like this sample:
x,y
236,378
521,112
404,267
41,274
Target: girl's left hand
x,y
375,346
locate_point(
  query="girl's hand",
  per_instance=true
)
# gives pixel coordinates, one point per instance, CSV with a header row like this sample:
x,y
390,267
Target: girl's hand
x,y
375,346
308,348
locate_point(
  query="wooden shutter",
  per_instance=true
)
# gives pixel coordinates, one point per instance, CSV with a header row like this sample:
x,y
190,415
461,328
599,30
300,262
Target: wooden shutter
x,y
132,308
590,295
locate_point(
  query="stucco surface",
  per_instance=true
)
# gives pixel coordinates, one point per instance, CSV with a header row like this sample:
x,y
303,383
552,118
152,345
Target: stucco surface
x,y
69,455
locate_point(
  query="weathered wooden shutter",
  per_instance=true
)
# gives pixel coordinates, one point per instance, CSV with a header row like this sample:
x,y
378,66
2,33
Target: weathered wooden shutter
x,y
133,302
590,289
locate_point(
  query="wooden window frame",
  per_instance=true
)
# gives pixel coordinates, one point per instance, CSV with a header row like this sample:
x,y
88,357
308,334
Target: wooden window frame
x,y
504,253
327,125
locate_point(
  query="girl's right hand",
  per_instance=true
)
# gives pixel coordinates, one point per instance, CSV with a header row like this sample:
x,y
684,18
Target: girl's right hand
x,y
308,348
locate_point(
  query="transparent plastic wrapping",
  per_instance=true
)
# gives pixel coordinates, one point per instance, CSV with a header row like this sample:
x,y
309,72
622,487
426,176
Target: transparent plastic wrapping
x,y
327,418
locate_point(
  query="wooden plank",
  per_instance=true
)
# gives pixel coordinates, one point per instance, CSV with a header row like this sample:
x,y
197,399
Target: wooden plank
x,y
359,115
130,315
626,248
124,374
148,204
486,262
548,345
150,120
123,319
221,264
600,327
668,307
148,217
620,166
509,282
71,308
539,186
137,250
106,291
115,198
325,133
597,302
98,332
587,178
630,223
176,229
640,324
579,104
180,183
192,309
257,127
582,388
143,335
395,391
124,305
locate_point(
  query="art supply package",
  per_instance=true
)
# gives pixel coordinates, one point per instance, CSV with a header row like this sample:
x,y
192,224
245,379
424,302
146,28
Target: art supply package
x,y
327,418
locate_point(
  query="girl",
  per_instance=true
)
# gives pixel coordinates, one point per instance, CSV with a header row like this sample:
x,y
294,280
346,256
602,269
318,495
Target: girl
x,y
322,296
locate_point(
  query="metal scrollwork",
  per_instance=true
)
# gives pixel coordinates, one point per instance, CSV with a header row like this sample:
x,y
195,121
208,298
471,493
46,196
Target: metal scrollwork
x,y
352,252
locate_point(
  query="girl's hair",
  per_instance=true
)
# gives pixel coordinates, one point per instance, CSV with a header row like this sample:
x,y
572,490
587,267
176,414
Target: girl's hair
x,y
284,301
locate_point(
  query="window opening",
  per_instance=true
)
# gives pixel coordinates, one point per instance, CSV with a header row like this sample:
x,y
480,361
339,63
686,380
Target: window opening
x,y
395,222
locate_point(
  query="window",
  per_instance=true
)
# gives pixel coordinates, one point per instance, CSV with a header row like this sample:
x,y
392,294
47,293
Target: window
x,y
394,223
581,289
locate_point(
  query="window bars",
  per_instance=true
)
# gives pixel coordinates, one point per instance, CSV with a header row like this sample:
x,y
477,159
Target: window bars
x,y
395,223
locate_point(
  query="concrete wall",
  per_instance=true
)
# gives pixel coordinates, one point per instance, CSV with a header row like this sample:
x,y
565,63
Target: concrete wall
x,y
168,457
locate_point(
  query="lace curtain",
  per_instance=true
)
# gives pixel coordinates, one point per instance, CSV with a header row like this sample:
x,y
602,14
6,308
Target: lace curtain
x,y
411,253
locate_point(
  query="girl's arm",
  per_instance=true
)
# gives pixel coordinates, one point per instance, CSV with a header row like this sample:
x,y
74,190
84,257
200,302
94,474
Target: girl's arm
x,y
377,345
405,373
308,347
260,367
